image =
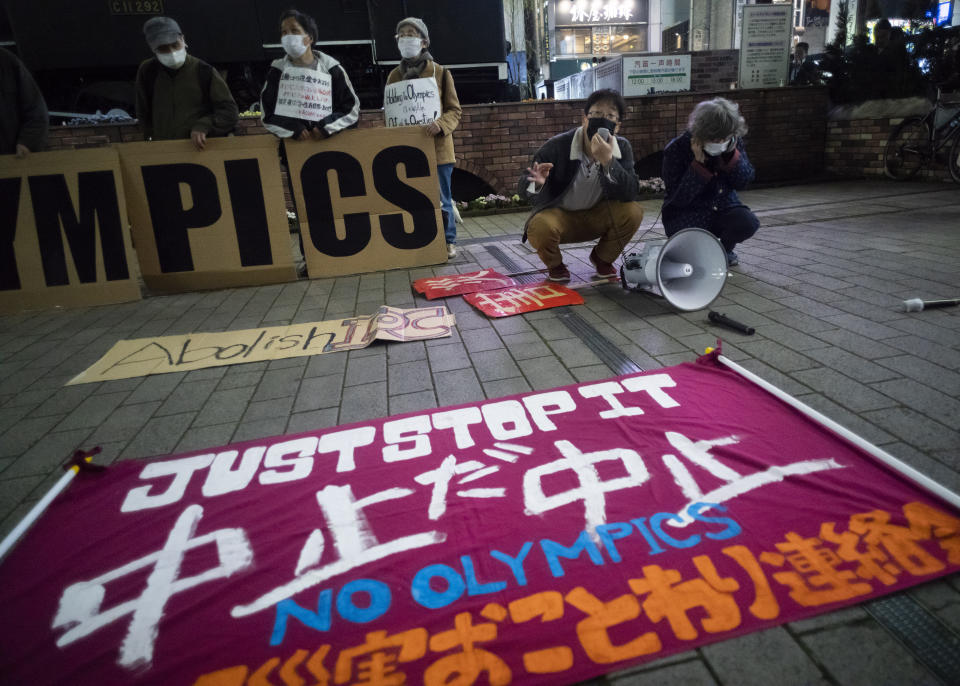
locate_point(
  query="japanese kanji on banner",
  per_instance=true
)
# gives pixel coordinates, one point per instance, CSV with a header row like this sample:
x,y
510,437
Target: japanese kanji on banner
x,y
545,537
304,94
434,287
525,298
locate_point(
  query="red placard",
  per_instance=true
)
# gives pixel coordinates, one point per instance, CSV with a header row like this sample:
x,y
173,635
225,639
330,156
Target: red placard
x,y
458,284
524,298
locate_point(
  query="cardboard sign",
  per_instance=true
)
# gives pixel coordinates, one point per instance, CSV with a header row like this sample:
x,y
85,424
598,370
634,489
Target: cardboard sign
x,y
208,219
548,537
64,239
163,354
304,94
510,301
369,200
458,284
412,102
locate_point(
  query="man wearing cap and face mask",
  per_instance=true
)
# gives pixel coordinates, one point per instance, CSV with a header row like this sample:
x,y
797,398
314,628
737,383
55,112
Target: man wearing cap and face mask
x,y
413,38
178,95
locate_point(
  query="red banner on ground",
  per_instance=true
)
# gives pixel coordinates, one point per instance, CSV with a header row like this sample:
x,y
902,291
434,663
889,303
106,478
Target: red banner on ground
x,y
510,301
458,284
546,537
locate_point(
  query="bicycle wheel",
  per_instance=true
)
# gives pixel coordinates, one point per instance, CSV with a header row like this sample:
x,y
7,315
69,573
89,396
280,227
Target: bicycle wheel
x,y
906,149
953,159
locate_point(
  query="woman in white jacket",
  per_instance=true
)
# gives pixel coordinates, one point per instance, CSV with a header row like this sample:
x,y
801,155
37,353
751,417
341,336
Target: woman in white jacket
x,y
310,69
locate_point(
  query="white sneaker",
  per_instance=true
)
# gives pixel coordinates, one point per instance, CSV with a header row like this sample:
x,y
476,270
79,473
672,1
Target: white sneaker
x,y
451,251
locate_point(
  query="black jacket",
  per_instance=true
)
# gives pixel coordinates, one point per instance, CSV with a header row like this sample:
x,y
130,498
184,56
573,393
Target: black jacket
x,y
23,111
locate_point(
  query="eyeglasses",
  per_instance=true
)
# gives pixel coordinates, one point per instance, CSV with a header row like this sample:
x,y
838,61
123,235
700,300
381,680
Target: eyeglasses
x,y
592,114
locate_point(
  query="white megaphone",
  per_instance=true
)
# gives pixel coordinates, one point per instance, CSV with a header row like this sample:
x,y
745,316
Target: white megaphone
x,y
688,269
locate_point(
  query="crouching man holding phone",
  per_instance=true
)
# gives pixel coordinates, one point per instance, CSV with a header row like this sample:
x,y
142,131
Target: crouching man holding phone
x,y
583,187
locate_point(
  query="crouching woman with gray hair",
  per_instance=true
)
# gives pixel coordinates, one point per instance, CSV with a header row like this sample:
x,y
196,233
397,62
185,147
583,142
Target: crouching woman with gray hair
x,y
703,168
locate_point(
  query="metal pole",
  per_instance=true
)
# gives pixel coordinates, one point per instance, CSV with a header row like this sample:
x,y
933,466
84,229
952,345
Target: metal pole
x,y
906,470
37,510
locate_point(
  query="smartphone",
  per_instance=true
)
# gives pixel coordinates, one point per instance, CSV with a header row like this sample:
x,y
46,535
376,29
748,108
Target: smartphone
x,y
604,133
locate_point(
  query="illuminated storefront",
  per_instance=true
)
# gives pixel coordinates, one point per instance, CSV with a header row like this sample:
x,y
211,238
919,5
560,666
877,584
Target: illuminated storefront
x,y
596,28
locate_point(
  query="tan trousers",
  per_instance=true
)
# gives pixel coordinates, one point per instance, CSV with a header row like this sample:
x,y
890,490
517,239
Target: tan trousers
x,y
612,221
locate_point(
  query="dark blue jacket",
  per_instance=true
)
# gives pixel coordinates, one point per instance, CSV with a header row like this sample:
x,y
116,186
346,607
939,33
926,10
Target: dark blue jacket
x,y
696,193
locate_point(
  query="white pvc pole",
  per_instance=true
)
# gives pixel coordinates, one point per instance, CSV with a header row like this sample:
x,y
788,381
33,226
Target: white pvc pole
x,y
37,510
882,455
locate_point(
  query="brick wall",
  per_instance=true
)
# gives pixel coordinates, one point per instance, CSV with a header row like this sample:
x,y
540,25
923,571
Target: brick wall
x,y
786,139
496,141
68,137
855,149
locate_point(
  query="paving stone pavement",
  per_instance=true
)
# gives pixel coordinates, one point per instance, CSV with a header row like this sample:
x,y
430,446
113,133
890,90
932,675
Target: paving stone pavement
x,y
822,283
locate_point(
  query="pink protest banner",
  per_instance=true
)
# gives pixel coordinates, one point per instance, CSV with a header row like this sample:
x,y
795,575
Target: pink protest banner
x,y
510,301
457,284
546,537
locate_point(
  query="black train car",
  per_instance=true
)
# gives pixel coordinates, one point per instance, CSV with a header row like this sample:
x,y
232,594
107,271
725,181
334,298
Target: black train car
x,y
85,53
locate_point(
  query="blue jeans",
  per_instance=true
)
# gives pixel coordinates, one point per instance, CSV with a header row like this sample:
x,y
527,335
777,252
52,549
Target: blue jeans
x,y
445,171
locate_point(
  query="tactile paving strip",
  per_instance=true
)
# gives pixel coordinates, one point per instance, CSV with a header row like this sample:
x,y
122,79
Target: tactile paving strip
x,y
930,641
601,346
511,266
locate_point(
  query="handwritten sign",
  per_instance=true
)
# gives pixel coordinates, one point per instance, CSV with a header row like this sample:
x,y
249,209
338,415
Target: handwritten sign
x,y
304,94
457,284
509,301
411,102
163,354
548,537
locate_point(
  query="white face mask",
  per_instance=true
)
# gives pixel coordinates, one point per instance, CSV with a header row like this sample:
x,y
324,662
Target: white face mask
x,y
714,149
173,60
409,46
293,45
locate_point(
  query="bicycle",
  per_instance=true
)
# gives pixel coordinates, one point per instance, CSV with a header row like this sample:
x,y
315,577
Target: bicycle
x,y
915,142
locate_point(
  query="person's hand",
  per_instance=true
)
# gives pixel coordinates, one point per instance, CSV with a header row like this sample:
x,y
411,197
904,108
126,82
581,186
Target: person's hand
x,y
316,133
304,135
539,172
199,139
601,150
22,150
433,128
698,154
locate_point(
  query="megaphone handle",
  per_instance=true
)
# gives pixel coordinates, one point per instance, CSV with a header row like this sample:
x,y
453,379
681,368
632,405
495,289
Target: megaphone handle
x,y
733,324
